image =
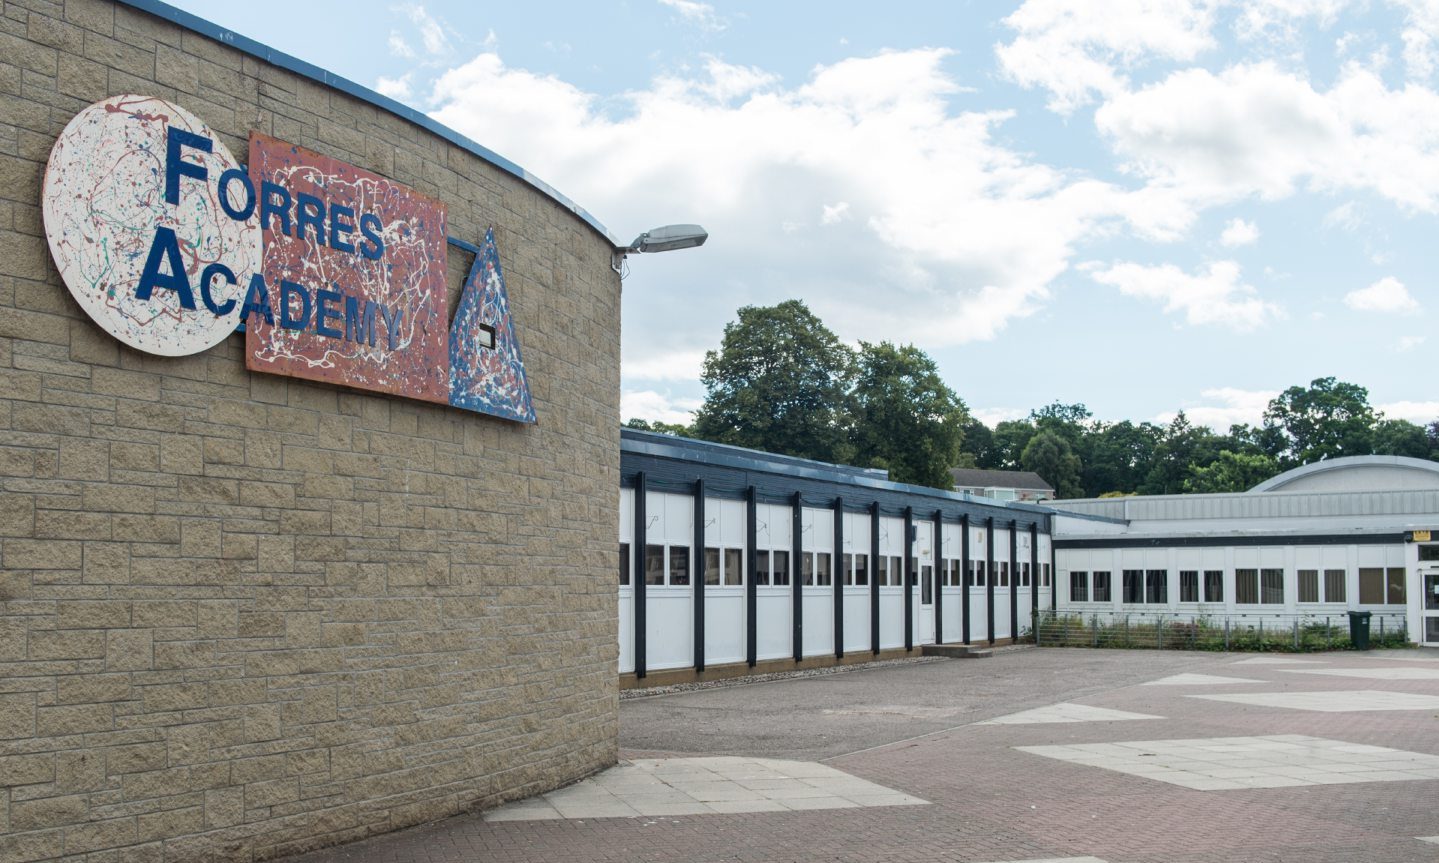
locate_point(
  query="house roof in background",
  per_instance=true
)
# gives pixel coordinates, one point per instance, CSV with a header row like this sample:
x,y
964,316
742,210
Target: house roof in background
x,y
965,477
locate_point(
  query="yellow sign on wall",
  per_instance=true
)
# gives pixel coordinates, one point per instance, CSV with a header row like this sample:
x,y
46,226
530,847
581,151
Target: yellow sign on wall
x,y
1421,535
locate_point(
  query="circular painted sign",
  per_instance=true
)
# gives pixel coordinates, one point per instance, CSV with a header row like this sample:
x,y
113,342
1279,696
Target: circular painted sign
x,y
134,218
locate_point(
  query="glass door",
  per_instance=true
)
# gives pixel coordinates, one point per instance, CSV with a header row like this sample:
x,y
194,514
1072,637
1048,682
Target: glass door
x,y
1430,611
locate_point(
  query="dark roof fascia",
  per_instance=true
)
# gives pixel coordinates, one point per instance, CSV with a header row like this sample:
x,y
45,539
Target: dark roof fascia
x,y
264,52
670,447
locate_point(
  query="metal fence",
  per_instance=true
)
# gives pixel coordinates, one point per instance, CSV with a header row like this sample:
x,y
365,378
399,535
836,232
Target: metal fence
x,y
1246,632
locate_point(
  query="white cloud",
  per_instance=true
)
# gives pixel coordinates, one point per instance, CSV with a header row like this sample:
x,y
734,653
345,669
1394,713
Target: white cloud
x,y
1386,295
994,416
1346,217
700,14
671,366
1239,233
432,32
834,214
756,162
654,406
1408,343
1419,54
1214,296
1262,130
1416,412
1222,407
1075,49
399,47
395,88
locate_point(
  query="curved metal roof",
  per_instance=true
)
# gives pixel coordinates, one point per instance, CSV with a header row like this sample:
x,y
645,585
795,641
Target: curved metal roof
x,y
1347,463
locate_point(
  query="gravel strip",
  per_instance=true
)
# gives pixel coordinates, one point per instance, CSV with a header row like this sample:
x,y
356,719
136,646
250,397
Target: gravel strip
x,y
627,694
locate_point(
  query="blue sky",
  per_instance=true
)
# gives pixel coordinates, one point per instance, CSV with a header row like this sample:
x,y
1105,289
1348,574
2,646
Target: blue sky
x,y
1143,206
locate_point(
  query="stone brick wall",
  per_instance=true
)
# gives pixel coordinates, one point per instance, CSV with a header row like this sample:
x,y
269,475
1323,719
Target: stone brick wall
x,y
243,615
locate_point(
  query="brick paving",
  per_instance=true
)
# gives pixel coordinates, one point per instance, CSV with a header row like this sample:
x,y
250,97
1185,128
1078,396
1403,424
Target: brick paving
x,y
915,729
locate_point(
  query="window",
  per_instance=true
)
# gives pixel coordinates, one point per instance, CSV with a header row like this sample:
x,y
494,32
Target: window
x,y
1046,574
1429,552
1246,586
761,567
1334,589
624,564
733,567
1004,573
1213,585
1394,579
1189,585
896,571
1079,587
822,572
913,572
654,564
861,569
926,585
881,570
1101,586
978,568
1379,586
1024,575
806,567
847,562
1271,586
679,565
712,565
1308,585
1133,585
1156,584
779,568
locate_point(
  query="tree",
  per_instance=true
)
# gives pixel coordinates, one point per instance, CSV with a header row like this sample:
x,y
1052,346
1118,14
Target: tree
x,y
1401,437
662,427
1230,472
779,382
1182,444
1008,442
1118,456
977,445
1327,419
905,419
1050,455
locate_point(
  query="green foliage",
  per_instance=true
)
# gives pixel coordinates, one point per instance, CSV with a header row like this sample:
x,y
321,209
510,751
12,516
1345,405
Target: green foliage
x,y
1327,419
1401,437
780,382
1157,633
1007,445
905,419
662,427
1050,455
1230,472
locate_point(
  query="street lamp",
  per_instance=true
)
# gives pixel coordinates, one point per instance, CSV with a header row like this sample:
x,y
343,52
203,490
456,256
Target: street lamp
x,y
663,239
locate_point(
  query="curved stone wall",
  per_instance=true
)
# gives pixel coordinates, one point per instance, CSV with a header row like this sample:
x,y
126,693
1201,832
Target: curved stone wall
x,y
242,614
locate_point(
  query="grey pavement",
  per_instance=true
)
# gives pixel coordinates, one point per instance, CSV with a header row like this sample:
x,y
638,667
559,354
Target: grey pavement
x,y
1037,754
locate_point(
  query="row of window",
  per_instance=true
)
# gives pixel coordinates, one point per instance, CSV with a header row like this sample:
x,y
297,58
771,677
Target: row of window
x,y
1377,586
670,565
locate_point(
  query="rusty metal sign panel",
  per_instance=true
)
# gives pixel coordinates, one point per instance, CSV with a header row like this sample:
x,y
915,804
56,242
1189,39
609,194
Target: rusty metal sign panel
x,y
336,273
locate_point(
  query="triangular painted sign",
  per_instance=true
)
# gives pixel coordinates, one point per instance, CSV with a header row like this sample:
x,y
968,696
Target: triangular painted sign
x,y
487,374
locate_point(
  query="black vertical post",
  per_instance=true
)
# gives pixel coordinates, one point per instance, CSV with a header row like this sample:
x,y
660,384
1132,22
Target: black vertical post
x,y
964,577
640,574
839,577
796,578
989,574
1053,572
697,580
909,578
938,587
751,596
874,577
1034,579
1013,580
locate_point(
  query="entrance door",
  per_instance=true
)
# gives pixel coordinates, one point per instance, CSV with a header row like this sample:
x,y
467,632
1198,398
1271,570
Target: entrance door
x,y
924,575
1430,610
